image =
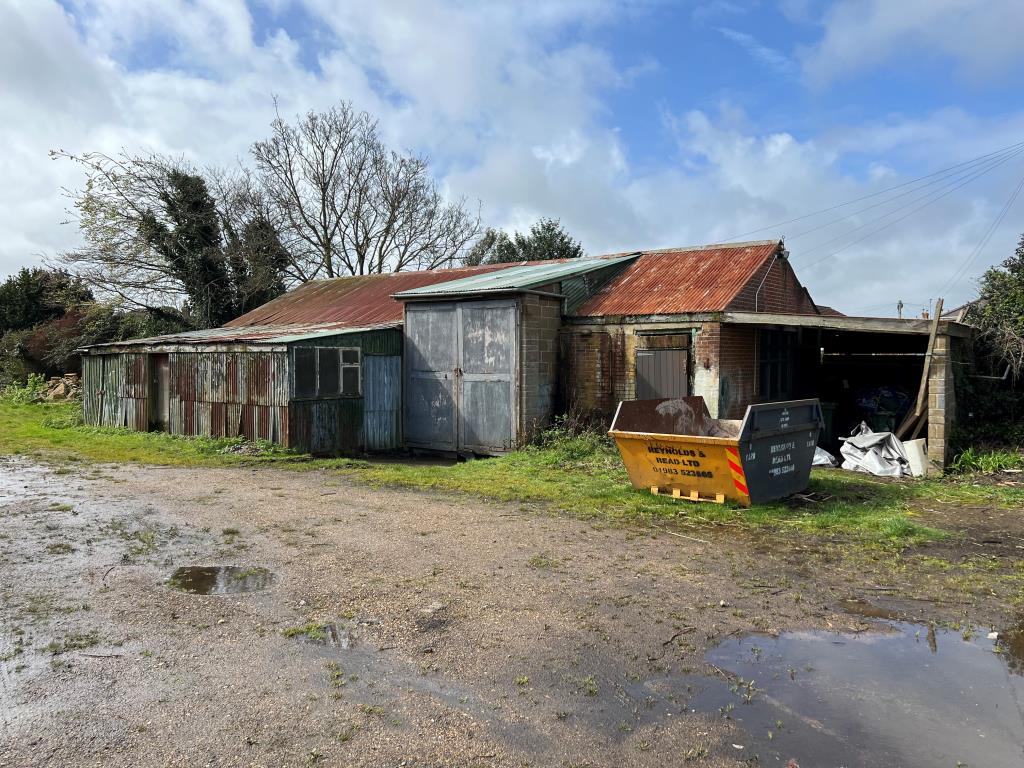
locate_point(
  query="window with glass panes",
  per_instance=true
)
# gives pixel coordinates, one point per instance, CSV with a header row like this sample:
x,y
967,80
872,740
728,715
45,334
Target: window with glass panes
x,y
326,372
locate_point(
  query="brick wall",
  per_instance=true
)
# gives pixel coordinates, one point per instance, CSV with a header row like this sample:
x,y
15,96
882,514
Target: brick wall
x,y
594,375
599,364
541,319
781,292
725,368
737,377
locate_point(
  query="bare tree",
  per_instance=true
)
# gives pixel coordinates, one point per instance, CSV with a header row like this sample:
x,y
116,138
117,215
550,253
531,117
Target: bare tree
x,y
346,204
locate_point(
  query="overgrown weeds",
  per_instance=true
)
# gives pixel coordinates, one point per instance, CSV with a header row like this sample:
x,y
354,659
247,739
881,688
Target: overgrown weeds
x,y
23,394
974,459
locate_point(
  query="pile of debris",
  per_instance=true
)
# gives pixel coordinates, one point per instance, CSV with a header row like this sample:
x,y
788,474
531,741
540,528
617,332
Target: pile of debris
x,y
244,448
66,387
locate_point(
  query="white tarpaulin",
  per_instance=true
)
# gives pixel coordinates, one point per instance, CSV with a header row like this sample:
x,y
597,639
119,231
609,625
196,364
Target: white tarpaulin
x,y
880,453
823,458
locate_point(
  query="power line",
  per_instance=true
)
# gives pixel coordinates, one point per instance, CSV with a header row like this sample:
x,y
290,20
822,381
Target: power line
x,y
1017,145
941,180
895,221
966,266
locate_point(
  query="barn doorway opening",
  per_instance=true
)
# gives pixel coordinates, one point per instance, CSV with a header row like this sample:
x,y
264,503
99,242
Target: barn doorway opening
x,y
159,392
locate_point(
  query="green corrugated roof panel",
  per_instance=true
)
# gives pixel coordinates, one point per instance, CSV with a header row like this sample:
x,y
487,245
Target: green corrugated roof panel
x,y
252,334
513,279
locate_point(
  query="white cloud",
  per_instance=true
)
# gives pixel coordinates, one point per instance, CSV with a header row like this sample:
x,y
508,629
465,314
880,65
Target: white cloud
x,y
766,55
511,108
862,35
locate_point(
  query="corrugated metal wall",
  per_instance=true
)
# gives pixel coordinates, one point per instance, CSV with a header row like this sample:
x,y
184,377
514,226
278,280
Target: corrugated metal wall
x,y
227,394
371,422
327,426
115,388
382,402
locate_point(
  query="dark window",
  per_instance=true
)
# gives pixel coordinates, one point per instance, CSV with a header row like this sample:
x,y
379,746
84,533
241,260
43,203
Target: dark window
x,y
350,372
322,372
350,380
305,372
328,366
776,364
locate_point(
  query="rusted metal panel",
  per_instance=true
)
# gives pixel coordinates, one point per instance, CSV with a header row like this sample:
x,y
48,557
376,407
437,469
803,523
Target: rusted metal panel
x,y
92,389
382,401
676,281
111,387
136,383
352,301
326,426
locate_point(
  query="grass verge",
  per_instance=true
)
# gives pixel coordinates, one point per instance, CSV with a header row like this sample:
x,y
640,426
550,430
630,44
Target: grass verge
x,y
579,475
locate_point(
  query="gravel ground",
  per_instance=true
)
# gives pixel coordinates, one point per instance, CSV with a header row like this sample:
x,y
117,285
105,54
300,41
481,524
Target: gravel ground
x,y
468,633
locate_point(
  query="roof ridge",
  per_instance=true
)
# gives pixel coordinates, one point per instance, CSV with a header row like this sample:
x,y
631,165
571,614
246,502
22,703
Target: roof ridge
x,y
704,247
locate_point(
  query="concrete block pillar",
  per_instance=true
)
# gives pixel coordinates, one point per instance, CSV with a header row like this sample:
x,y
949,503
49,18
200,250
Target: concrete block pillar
x,y
941,403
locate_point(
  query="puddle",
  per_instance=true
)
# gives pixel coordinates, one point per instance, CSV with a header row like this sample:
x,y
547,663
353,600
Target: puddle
x,y
219,579
908,695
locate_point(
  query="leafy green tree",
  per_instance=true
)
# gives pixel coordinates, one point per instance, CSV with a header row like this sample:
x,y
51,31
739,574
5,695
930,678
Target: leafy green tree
x,y
545,241
188,239
1000,311
258,263
35,295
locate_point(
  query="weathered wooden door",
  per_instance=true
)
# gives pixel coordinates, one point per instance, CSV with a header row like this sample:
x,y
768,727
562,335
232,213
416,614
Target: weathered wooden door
x,y
661,373
461,363
486,378
431,361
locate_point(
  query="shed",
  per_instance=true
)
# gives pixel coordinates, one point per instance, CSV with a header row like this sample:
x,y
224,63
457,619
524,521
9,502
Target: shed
x,y
315,388
317,369
731,322
481,353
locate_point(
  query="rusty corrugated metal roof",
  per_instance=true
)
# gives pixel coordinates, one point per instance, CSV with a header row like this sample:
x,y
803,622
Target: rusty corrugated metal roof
x,y
679,280
352,301
253,334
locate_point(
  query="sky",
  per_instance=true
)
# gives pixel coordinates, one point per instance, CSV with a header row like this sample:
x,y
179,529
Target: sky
x,y
639,124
